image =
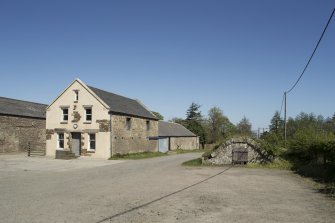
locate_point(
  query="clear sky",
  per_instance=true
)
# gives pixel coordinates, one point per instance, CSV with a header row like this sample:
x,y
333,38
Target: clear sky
x,y
238,55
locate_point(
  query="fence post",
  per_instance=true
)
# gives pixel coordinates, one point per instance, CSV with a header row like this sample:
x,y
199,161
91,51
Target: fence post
x,y
28,148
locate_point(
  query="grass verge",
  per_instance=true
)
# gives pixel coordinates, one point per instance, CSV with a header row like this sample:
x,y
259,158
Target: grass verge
x,y
194,162
136,156
182,151
277,164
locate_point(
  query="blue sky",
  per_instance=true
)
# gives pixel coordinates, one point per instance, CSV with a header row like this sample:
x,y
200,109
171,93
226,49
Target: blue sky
x,y
238,55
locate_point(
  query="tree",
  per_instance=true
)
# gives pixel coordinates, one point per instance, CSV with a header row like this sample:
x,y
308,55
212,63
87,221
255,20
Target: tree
x,y
219,126
193,112
277,124
178,120
158,115
244,127
197,128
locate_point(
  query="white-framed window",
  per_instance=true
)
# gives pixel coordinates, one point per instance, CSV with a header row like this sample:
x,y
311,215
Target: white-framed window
x,y
91,142
148,125
76,95
60,141
88,114
128,124
65,114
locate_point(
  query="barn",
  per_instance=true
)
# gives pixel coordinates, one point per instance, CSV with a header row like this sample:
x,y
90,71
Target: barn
x,y
174,136
22,123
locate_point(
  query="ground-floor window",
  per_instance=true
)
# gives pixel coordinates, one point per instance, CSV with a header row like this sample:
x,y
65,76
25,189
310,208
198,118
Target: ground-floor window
x,y
60,141
91,142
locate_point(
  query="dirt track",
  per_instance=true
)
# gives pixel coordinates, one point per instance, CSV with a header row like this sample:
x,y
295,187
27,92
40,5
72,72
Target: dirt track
x,y
154,190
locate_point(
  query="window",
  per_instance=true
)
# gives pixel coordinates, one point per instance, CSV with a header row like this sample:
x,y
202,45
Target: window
x,y
65,114
128,124
91,142
148,125
76,95
60,140
88,114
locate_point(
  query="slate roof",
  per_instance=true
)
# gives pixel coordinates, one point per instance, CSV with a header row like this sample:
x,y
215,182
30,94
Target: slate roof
x,y
16,107
173,130
123,105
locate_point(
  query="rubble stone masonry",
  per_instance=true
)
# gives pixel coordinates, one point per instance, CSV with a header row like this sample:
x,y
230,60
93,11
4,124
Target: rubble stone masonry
x,y
16,132
136,139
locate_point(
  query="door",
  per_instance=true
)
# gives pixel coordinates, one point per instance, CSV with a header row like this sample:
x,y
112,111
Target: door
x,y
163,145
76,137
240,156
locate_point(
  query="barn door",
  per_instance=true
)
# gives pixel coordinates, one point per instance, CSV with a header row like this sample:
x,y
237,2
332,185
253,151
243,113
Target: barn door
x,y
240,156
163,145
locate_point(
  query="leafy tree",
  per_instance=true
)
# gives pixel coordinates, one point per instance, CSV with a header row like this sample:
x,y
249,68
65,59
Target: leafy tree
x,y
193,112
197,128
158,115
219,126
244,127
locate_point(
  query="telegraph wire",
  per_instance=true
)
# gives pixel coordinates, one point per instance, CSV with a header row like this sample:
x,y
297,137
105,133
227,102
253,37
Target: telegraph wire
x,y
295,84
312,53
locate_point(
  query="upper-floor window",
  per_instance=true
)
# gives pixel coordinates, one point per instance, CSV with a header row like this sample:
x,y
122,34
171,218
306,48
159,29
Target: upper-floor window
x,y
128,123
65,114
60,141
76,95
148,125
88,114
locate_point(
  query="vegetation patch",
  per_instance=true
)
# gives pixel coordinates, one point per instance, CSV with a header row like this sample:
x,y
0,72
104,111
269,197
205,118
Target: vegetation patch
x,y
182,151
193,162
277,164
136,156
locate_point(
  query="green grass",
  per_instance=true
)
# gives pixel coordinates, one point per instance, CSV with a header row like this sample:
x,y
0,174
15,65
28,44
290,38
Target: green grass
x,y
277,164
182,151
136,156
194,162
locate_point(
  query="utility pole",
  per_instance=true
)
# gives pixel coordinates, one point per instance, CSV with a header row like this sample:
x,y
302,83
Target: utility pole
x,y
258,134
285,119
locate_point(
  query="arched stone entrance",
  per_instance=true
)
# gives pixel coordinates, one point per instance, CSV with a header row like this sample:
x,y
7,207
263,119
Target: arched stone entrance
x,y
238,150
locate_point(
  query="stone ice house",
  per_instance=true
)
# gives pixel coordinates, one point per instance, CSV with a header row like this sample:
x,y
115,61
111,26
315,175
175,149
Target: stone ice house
x,y
86,121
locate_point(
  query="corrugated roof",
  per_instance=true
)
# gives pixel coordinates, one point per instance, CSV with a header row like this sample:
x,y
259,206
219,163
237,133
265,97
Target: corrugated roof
x,y
123,105
16,107
173,129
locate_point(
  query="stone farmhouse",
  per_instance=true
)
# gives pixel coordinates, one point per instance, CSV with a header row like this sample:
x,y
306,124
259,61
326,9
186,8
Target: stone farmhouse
x,y
21,122
174,136
87,121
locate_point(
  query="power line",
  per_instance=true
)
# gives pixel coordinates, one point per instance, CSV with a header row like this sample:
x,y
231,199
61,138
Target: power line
x,y
331,16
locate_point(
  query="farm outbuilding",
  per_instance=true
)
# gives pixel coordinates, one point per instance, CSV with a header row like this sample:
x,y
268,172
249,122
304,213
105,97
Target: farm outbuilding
x,y
174,136
21,123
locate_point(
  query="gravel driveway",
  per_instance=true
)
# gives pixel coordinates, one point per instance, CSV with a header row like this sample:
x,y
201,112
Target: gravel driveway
x,y
153,190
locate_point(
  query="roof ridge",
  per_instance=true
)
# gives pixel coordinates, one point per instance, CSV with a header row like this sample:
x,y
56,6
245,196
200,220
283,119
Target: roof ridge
x,y
14,99
123,105
109,92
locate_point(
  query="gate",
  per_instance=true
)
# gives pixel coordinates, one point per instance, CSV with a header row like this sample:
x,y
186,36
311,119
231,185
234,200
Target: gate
x,y
240,156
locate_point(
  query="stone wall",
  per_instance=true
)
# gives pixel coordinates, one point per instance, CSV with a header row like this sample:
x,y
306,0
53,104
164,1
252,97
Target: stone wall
x,y
224,153
16,132
136,139
186,143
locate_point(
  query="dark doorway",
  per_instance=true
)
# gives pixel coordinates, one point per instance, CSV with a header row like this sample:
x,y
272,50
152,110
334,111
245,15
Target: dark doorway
x,y
240,156
75,146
